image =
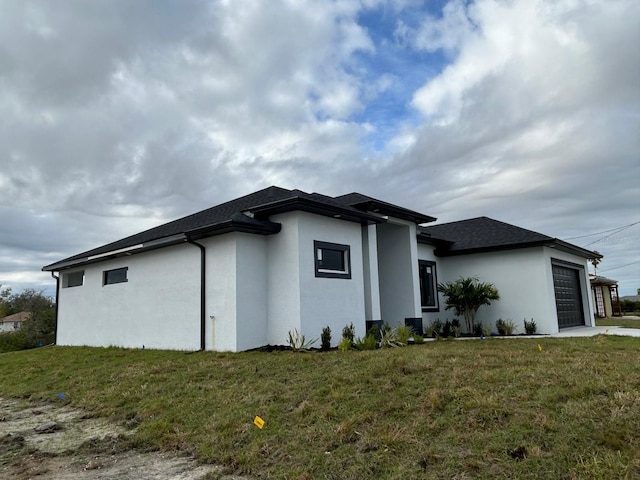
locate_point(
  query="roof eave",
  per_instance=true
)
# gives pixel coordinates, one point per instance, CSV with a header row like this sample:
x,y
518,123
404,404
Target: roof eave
x,y
384,208
553,243
233,225
311,206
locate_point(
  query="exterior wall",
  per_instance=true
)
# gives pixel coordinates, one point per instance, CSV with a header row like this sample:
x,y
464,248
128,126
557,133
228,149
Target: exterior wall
x,y
398,271
521,277
251,291
236,302
157,307
283,279
221,277
333,302
296,297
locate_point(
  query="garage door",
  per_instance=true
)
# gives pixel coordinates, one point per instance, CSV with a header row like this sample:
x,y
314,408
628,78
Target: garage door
x,y
566,283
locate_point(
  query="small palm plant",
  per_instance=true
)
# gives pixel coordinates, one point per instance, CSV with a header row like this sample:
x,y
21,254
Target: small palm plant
x,y
466,296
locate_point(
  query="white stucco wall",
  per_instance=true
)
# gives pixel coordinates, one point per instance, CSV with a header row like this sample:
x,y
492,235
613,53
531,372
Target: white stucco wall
x,y
296,297
157,307
523,278
236,303
251,291
283,279
333,302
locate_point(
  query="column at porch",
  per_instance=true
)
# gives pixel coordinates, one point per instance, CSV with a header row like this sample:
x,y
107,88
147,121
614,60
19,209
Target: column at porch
x,y
371,276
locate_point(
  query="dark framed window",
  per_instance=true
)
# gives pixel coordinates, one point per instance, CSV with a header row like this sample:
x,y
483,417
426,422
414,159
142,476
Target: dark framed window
x,y
118,275
428,286
332,260
73,279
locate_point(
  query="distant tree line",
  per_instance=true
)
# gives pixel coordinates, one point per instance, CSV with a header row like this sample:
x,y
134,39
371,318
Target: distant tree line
x,y
38,330
630,306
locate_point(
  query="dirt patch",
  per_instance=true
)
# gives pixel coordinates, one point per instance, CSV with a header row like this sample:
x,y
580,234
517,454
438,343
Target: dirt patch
x,y
60,442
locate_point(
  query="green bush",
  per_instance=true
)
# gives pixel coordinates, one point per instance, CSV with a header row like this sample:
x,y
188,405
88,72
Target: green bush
x,y
369,342
325,338
403,334
349,332
345,344
434,329
530,327
505,327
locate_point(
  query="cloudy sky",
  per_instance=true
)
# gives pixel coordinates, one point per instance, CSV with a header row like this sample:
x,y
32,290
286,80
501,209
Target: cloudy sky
x,y
117,116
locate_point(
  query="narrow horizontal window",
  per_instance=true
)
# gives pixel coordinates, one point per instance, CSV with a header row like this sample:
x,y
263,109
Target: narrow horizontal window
x,y
73,279
118,275
332,260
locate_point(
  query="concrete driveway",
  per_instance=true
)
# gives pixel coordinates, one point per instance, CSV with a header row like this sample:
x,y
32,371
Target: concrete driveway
x,y
592,331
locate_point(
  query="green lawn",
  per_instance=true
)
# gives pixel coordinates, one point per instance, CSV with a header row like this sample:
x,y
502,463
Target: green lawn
x,y
618,321
496,408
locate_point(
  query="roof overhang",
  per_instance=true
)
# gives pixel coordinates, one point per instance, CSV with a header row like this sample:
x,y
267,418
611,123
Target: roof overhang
x,y
445,250
238,223
384,208
318,208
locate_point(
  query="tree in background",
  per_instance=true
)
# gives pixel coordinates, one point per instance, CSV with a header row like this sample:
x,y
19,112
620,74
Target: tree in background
x,y
466,296
38,329
595,261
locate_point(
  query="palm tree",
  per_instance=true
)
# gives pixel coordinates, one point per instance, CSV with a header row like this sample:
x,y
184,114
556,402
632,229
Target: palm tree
x,y
466,296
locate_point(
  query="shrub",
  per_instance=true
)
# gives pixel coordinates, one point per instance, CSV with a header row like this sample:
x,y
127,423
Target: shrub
x,y
446,329
434,329
505,327
403,334
478,329
349,332
345,344
486,330
530,327
375,332
418,339
298,342
369,342
325,338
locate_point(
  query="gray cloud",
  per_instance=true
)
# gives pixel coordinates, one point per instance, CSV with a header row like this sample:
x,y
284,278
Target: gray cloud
x,y
118,116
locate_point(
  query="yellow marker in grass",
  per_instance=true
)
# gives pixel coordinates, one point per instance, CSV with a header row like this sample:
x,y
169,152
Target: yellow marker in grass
x,y
539,347
258,422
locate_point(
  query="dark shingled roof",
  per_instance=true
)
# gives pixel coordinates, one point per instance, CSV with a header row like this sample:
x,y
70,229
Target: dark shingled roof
x,y
226,217
484,234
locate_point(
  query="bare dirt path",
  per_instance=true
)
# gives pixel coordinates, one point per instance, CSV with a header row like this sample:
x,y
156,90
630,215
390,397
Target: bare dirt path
x,y
71,445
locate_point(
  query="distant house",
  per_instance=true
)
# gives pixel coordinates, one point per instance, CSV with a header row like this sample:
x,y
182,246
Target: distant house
x,y
606,302
244,273
14,322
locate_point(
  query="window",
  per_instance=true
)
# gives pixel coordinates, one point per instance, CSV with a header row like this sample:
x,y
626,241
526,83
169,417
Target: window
x,y
332,260
73,279
428,286
16,325
118,275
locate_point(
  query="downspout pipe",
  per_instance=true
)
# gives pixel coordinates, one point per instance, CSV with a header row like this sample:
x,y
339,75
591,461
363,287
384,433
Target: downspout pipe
x,y
203,290
55,332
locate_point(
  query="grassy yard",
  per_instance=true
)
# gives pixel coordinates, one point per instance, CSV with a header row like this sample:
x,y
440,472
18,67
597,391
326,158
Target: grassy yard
x,y
619,322
497,408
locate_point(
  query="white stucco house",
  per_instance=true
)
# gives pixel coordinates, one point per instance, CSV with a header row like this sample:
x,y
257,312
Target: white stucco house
x,y
244,273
